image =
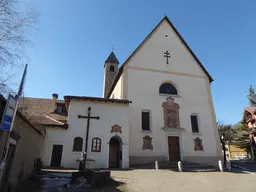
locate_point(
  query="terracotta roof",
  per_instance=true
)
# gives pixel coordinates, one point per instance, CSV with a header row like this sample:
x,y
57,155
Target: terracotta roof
x,y
124,101
39,111
182,40
26,119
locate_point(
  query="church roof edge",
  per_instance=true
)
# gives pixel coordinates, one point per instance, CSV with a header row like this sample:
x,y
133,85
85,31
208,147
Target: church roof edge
x,y
181,38
124,101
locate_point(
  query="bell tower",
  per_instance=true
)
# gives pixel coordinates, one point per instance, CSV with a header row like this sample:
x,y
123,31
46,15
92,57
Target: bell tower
x,y
110,72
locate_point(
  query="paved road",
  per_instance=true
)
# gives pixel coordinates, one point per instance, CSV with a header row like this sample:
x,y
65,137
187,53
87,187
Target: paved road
x,y
169,181
148,180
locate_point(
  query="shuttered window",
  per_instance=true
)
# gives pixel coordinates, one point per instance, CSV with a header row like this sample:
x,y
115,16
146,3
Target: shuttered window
x,y
194,123
145,120
78,144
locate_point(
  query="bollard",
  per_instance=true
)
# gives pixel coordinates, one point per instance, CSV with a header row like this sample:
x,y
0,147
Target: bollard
x,y
180,166
220,166
156,165
229,167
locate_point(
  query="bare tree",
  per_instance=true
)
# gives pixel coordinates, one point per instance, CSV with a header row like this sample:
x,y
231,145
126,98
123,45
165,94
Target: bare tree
x,y
15,27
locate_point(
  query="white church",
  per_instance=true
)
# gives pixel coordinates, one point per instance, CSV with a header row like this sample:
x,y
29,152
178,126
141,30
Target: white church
x,y
157,105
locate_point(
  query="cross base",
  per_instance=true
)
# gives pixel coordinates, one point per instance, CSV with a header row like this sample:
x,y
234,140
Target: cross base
x,y
93,177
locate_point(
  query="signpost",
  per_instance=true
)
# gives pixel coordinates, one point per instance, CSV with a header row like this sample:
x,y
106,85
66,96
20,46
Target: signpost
x,y
8,120
8,114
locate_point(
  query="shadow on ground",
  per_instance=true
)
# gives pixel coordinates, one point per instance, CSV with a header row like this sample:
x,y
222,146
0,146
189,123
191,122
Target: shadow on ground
x,y
249,166
57,182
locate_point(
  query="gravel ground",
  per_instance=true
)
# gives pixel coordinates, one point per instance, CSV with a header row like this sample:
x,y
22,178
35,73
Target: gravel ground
x,y
169,181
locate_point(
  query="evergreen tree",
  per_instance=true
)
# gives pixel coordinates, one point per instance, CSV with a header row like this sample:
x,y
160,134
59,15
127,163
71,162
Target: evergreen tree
x,y
241,138
252,97
227,131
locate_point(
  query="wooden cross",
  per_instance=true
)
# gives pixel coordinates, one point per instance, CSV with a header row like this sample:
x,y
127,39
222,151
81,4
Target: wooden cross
x,y
167,55
88,117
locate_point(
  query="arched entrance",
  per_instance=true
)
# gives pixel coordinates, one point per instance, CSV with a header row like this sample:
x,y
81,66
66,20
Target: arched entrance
x,y
115,152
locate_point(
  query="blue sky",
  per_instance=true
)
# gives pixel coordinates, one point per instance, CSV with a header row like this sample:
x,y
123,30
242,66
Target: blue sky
x,y
75,37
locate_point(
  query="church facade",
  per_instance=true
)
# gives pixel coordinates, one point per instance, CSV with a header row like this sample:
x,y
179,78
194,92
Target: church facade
x,y
156,106
169,88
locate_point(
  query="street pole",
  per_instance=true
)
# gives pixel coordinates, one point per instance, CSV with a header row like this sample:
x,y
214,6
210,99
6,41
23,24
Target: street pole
x,y
6,148
252,150
224,150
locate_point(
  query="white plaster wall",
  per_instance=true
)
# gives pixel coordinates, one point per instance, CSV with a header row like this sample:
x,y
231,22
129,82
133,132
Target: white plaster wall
x,y
118,90
143,91
146,71
110,114
151,54
54,136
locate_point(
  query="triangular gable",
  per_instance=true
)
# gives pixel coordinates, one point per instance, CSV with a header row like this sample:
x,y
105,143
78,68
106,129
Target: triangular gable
x,y
247,110
136,50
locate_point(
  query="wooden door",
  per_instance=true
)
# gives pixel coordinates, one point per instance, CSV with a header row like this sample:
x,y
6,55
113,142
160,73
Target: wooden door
x,y
114,148
56,155
174,148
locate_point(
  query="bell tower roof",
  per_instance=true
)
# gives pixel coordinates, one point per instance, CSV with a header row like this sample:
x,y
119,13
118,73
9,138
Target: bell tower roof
x,y
112,58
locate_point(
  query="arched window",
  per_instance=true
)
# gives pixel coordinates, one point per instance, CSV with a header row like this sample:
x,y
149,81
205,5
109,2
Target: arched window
x,y
78,144
112,68
96,144
167,88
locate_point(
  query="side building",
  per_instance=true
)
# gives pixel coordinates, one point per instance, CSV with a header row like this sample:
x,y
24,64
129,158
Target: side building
x,y
21,156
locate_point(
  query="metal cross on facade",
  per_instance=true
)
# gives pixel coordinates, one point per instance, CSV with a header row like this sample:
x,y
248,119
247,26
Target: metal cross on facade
x,y
88,117
167,55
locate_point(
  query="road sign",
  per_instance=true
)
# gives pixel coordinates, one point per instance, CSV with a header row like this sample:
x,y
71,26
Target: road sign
x,y
8,114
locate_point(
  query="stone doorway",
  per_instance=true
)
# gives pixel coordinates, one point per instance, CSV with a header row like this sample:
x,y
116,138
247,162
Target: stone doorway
x,y
174,148
115,152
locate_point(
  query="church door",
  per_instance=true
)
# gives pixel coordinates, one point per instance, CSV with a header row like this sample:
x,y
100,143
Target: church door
x,y
174,148
114,153
56,155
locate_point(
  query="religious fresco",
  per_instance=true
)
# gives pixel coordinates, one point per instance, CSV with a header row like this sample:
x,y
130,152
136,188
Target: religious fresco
x,y
147,143
171,113
198,144
116,129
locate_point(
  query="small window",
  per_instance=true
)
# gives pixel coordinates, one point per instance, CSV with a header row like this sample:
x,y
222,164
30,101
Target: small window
x,y
112,68
59,109
145,120
78,144
167,88
96,144
194,123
